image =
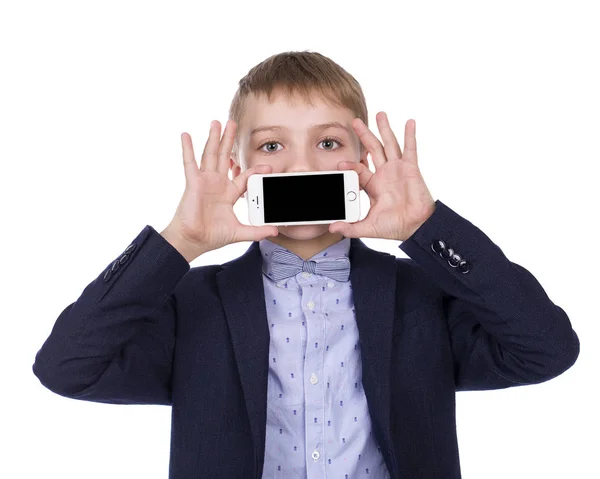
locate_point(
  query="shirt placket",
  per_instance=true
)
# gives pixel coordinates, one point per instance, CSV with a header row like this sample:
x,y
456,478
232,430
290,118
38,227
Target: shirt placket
x,y
313,376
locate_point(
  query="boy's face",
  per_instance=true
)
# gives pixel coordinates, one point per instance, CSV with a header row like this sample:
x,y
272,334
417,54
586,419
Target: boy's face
x,y
298,146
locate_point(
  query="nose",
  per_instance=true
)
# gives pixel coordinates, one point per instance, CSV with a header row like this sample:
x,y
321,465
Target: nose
x,y
302,169
303,166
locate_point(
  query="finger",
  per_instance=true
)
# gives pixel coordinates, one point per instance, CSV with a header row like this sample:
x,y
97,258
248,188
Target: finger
x,y
241,180
410,141
254,233
364,173
370,141
208,161
390,142
226,147
190,167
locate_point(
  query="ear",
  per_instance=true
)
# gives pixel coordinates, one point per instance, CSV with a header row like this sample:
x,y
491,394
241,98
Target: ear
x,y
235,168
365,161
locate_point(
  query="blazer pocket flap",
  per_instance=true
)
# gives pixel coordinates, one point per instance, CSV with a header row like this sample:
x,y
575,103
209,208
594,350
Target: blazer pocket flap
x,y
416,317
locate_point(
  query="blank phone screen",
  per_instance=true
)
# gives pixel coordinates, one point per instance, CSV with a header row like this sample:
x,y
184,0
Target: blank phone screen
x,y
304,198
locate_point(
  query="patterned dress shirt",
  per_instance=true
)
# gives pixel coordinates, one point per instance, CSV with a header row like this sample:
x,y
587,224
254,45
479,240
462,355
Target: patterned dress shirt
x,y
318,423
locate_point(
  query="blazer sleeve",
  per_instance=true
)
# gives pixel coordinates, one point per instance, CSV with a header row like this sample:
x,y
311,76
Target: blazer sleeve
x,y
115,343
504,330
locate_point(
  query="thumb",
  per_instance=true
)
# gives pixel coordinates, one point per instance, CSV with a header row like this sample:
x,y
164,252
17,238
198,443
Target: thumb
x,y
255,233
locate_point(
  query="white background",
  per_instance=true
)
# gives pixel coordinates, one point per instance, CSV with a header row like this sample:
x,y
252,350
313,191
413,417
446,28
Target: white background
x,y
95,95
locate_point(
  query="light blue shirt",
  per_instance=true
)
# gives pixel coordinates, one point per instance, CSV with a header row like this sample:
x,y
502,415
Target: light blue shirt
x,y
318,423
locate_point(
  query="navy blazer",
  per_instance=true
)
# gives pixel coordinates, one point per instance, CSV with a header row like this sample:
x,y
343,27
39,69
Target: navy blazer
x,y
456,315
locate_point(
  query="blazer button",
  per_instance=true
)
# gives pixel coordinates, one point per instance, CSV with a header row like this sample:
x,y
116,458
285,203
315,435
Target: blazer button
x,y
454,260
115,266
464,266
446,253
438,246
107,275
123,258
130,248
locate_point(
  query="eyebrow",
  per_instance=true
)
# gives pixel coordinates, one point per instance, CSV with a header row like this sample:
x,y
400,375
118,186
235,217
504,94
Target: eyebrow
x,y
323,126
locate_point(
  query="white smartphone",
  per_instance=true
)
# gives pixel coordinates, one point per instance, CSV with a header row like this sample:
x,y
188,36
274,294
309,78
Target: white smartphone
x,y
303,198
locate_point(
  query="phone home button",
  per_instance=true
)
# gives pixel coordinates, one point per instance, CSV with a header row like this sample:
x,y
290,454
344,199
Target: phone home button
x,y
351,195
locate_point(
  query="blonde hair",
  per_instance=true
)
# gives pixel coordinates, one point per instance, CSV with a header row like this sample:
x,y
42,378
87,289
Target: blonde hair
x,y
304,73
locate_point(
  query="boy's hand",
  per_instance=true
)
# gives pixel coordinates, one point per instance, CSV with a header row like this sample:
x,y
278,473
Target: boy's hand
x,y
400,200
205,219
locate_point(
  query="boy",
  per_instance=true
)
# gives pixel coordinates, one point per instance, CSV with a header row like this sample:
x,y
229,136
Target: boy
x,y
286,361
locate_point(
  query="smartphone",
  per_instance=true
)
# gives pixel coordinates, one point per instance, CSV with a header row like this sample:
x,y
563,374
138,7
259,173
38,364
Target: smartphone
x,y
303,198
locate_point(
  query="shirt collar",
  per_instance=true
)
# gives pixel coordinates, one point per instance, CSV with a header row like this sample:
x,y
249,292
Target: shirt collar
x,y
341,248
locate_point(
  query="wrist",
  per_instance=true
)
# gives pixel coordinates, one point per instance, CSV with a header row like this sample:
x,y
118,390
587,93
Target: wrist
x,y
185,247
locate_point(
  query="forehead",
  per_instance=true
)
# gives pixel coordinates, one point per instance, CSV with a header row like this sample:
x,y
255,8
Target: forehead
x,y
291,111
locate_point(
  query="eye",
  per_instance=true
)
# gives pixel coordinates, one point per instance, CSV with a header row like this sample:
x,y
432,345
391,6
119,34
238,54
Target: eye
x,y
272,142
331,138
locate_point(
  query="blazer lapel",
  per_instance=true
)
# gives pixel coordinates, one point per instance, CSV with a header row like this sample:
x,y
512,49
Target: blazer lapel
x,y
373,280
242,293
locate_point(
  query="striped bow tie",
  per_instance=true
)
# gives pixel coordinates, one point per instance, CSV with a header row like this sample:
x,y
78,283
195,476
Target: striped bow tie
x,y
285,264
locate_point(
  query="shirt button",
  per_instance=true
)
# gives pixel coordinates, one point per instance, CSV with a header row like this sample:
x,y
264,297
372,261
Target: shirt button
x,y
311,304
306,274
316,455
313,379
331,284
